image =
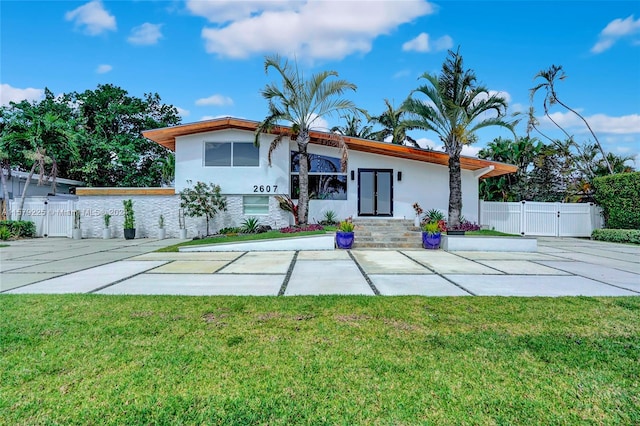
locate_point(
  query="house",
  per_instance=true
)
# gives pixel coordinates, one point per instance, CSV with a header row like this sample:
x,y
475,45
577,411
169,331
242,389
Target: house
x,y
382,179
17,180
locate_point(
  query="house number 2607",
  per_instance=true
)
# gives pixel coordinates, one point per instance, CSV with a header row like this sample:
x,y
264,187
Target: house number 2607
x,y
265,188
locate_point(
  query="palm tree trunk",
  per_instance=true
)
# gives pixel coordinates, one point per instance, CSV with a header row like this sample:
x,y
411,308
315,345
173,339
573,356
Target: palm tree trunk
x,y
5,191
455,191
303,197
604,156
24,190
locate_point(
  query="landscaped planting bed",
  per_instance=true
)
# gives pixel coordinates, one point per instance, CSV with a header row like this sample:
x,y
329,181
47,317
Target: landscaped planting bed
x,y
89,359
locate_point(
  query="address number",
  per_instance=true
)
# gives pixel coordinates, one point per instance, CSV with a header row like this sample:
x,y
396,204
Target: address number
x,y
265,188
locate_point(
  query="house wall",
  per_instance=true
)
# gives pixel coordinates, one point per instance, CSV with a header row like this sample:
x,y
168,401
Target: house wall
x,y
15,186
425,183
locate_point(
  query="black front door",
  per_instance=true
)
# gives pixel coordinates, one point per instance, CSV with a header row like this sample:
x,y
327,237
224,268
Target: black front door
x,y
375,192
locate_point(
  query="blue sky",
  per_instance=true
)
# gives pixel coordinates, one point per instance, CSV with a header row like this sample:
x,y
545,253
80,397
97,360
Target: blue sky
x,y
206,57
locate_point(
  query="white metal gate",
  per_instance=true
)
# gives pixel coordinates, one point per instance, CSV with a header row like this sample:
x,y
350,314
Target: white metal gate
x,y
53,218
541,219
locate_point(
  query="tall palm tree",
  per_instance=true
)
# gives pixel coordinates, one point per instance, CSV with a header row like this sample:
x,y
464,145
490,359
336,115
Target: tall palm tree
x,y
300,102
455,108
549,78
393,124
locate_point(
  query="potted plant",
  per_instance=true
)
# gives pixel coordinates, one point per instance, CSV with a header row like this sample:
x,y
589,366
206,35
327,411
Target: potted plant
x,y
77,232
161,231
181,225
129,220
345,234
106,232
432,234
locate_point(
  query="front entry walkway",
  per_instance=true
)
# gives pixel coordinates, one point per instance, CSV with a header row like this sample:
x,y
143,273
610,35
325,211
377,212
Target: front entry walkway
x,y
561,267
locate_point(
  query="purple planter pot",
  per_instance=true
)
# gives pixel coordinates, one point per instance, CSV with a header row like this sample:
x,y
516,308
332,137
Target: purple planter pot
x,y
431,242
344,240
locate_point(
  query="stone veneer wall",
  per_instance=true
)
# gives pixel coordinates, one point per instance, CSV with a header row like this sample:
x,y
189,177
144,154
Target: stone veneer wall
x,y
148,207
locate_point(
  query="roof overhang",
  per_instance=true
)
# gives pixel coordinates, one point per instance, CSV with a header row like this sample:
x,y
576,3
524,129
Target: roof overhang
x,y
166,137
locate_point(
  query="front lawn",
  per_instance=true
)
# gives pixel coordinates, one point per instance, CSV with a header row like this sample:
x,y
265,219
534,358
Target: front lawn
x,y
223,239
91,359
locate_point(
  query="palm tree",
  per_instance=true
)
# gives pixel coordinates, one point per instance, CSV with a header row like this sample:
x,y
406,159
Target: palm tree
x,y
45,135
549,78
455,108
393,125
301,102
352,128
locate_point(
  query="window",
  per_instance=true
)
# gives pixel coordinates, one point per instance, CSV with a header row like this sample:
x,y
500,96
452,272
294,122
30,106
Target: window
x,y
255,204
231,154
326,180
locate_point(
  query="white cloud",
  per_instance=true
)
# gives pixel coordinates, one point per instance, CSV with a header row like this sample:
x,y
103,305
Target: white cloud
x,y
13,94
145,34
216,100
600,123
402,73
615,30
93,17
103,68
421,44
309,29
183,112
418,44
467,150
319,123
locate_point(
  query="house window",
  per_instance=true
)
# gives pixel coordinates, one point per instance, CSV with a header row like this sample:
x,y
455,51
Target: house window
x,y
326,180
255,204
231,154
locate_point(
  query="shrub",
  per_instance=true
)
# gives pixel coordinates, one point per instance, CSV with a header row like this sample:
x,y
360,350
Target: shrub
x,y
617,235
230,230
346,226
5,234
250,225
329,219
20,228
618,197
293,229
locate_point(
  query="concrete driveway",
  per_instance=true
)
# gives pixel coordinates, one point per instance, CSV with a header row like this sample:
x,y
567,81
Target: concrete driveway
x,y
561,267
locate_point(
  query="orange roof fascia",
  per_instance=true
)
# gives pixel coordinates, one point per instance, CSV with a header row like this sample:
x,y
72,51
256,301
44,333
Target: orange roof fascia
x,y
167,137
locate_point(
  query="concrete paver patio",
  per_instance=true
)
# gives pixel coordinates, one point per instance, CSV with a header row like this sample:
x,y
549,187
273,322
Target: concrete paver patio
x,y
561,267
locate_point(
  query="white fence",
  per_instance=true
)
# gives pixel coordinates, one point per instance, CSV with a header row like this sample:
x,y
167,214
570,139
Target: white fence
x,y
53,218
541,219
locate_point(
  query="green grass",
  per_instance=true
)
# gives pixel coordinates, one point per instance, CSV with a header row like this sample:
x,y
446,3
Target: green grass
x,y
270,235
90,359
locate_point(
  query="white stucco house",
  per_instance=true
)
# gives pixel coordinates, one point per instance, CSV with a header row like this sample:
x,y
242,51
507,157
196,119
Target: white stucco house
x,y
382,180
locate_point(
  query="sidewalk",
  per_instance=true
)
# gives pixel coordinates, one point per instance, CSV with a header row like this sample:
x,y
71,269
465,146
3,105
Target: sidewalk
x,y
561,267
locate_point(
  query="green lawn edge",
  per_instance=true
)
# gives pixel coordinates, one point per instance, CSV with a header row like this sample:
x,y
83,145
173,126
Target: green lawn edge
x,y
225,239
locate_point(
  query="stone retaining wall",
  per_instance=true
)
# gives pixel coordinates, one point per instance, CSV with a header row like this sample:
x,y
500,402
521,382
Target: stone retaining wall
x,y
148,207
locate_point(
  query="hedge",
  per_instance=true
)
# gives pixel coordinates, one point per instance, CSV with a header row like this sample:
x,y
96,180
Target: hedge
x,y
617,235
619,197
20,228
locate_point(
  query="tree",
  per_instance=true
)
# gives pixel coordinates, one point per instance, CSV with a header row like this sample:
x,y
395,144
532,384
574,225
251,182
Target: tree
x,y
455,108
353,128
203,200
43,138
114,151
549,78
301,102
393,124
514,186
